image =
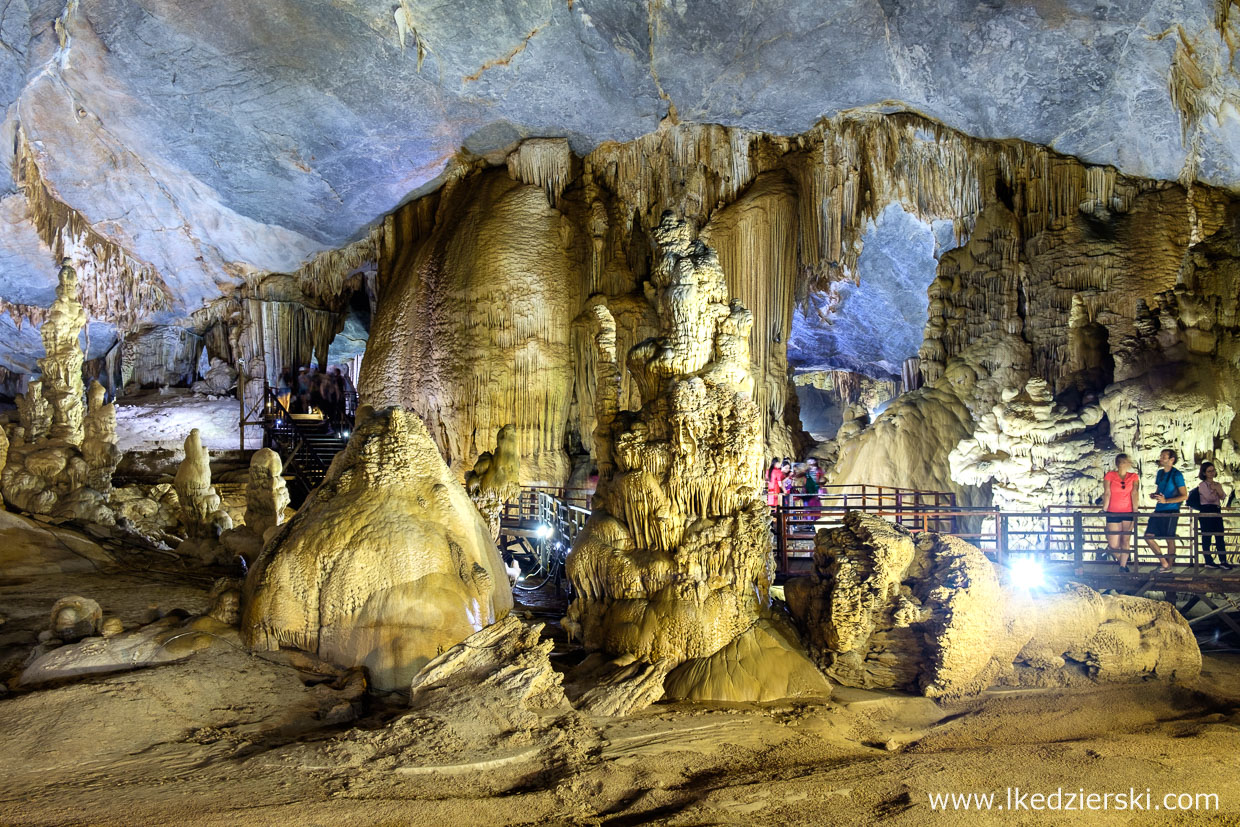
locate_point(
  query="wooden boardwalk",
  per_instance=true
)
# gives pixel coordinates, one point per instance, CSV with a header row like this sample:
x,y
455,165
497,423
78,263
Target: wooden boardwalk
x,y
1067,543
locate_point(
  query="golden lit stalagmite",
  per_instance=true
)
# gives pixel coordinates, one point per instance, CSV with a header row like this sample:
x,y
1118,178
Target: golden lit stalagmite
x,y
387,564
61,459
675,561
496,478
202,515
61,365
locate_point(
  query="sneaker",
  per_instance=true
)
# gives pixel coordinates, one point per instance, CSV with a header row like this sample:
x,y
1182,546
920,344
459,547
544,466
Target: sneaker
x,y
1125,569
1213,565
1226,565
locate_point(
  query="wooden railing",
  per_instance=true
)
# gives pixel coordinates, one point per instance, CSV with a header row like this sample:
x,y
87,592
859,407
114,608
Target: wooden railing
x,y
1054,536
1057,536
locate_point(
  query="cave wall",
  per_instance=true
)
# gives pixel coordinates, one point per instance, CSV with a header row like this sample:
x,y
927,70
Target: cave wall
x,y
1054,260
474,321
1060,343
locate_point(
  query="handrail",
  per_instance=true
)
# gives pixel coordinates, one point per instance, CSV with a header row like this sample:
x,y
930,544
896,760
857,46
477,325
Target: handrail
x,y
1057,535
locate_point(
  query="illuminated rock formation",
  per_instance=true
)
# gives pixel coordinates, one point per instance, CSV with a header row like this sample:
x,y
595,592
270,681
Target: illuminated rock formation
x,y
929,614
488,280
385,566
266,507
99,440
219,379
266,493
1034,452
200,503
74,618
60,460
168,639
675,561
203,517
61,365
496,478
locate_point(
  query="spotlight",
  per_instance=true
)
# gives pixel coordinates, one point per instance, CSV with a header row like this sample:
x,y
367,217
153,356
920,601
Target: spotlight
x,y
1026,573
344,434
543,531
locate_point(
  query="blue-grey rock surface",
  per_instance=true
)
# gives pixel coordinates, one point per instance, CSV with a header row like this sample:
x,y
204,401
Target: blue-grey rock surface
x,y
879,321
213,138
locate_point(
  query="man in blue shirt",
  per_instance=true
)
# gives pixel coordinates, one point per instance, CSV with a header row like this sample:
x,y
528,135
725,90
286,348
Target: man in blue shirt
x,y
1169,492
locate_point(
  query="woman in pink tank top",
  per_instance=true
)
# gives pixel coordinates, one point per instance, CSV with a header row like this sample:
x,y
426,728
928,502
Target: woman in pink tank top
x,y
1118,488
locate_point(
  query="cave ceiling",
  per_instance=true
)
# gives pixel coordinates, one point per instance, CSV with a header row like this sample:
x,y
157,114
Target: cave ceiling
x,y
215,139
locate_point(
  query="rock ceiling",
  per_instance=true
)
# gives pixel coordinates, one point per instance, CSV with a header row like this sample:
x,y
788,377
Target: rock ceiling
x,y
183,145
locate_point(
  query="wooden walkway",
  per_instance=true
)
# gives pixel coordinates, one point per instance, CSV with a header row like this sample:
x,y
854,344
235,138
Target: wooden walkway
x,y
1068,544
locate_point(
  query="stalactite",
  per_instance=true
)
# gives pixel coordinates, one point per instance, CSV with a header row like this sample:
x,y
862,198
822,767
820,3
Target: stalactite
x,y
545,163
751,237
115,286
325,279
474,322
162,355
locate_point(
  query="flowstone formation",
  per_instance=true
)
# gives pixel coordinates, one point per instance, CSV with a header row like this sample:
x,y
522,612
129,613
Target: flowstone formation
x,y
883,609
496,478
675,561
60,459
386,565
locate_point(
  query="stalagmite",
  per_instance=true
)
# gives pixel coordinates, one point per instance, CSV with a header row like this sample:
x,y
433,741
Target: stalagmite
x,y
266,494
495,479
99,440
1033,452
60,461
675,562
884,609
387,564
61,365
201,513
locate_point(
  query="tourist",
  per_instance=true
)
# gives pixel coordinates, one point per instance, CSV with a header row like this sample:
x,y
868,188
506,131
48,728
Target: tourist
x,y
786,481
301,398
333,397
774,483
1210,501
1118,486
1169,492
813,483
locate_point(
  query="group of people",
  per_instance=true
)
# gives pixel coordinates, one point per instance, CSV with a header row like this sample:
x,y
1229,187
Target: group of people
x,y
1119,503
313,390
795,483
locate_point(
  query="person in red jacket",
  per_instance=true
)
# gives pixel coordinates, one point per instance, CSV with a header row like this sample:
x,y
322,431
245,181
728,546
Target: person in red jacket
x,y
774,483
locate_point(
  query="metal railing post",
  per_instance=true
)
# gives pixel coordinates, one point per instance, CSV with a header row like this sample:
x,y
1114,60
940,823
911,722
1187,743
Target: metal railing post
x,y
1195,541
1078,541
1000,536
781,538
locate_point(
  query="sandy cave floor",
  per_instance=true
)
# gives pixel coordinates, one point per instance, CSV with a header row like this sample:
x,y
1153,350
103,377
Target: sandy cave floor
x,y
229,738
151,420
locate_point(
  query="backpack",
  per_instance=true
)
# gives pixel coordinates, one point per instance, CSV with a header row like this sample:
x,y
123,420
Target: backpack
x,y
1194,499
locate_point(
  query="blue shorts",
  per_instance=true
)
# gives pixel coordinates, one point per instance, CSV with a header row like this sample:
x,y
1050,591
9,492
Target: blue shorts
x,y
1162,526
